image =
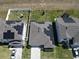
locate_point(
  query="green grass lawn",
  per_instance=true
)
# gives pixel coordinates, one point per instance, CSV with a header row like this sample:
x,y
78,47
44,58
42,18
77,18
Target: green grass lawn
x,y
15,15
26,53
49,15
57,53
45,15
63,53
73,12
48,55
41,15
36,15
4,52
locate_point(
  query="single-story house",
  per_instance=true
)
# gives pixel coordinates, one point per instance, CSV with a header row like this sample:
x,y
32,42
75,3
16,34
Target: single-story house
x,y
11,30
68,29
41,35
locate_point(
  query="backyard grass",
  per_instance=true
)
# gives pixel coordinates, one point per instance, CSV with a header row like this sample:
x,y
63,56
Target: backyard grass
x,y
4,52
26,53
49,15
37,15
41,15
45,15
73,12
17,15
57,53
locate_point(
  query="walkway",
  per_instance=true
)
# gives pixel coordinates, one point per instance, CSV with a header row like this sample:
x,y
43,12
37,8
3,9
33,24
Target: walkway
x,y
35,53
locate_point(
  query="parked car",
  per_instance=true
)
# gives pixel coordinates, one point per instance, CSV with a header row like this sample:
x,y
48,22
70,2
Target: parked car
x,y
13,51
13,54
76,52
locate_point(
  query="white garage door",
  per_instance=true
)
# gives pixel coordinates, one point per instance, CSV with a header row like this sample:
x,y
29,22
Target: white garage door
x,y
35,53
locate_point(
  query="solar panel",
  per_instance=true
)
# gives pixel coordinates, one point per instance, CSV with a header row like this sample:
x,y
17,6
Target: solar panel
x,y
8,35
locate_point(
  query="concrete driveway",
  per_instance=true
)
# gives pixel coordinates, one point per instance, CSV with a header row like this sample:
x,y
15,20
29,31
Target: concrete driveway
x,y
35,53
75,52
18,54
76,58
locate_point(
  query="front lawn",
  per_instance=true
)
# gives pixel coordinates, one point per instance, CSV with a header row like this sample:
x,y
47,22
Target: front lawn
x,y
48,55
26,53
4,52
57,53
63,53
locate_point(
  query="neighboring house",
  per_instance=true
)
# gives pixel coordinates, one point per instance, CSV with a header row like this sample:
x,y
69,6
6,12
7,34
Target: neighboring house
x,y
68,30
41,35
11,31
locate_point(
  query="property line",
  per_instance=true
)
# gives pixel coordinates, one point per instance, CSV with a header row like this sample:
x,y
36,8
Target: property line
x,y
8,14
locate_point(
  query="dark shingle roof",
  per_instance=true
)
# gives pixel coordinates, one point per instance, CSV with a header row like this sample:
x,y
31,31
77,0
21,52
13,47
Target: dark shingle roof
x,y
13,26
41,34
69,30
